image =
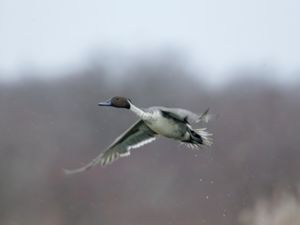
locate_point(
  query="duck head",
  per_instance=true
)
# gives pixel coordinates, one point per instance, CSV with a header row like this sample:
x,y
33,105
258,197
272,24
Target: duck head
x,y
118,102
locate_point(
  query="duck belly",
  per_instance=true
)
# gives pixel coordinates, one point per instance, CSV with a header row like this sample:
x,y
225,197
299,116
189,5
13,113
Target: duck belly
x,y
168,128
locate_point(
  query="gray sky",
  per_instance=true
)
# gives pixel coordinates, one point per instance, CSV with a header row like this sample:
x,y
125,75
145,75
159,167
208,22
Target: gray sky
x,y
216,35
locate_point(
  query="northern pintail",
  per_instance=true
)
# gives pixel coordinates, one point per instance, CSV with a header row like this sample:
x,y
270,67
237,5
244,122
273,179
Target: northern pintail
x,y
153,122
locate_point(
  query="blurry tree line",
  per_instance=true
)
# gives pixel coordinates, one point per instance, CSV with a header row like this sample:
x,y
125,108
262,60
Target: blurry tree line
x,y
50,124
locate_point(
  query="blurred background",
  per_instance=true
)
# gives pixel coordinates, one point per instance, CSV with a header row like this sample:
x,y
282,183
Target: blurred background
x,y
58,59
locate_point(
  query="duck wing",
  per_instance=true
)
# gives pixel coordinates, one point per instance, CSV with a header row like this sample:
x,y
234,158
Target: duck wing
x,y
136,136
183,115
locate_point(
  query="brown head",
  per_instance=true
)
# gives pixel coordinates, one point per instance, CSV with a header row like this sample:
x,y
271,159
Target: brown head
x,y
118,102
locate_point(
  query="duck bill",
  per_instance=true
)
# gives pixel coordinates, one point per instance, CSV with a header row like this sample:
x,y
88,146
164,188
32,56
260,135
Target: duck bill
x,y
106,103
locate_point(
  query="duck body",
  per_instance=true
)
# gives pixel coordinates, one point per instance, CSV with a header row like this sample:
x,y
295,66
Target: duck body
x,y
174,123
166,126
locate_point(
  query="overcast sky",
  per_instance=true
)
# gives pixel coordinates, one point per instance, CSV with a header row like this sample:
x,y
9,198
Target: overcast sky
x,y
215,35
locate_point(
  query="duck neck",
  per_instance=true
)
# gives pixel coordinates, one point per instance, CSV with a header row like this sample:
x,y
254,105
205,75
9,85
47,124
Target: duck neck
x,y
140,113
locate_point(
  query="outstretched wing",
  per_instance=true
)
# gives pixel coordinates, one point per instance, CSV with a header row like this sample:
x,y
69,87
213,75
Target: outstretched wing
x,y
136,136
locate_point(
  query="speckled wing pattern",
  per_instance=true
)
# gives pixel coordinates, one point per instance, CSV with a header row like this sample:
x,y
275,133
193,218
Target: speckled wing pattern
x,y
136,136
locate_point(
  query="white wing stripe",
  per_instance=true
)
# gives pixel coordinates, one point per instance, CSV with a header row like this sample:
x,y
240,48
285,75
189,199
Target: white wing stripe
x,y
143,142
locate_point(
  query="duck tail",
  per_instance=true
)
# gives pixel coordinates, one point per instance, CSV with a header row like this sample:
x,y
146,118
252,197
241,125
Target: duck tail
x,y
206,116
202,136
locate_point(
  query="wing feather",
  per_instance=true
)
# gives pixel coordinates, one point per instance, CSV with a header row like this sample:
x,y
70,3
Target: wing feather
x,y
136,136
184,115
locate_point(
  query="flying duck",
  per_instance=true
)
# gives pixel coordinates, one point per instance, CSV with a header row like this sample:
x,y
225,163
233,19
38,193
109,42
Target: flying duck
x,y
155,121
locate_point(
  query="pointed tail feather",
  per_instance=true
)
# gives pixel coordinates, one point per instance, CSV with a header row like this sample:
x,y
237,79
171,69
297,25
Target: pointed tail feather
x,y
206,116
206,137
